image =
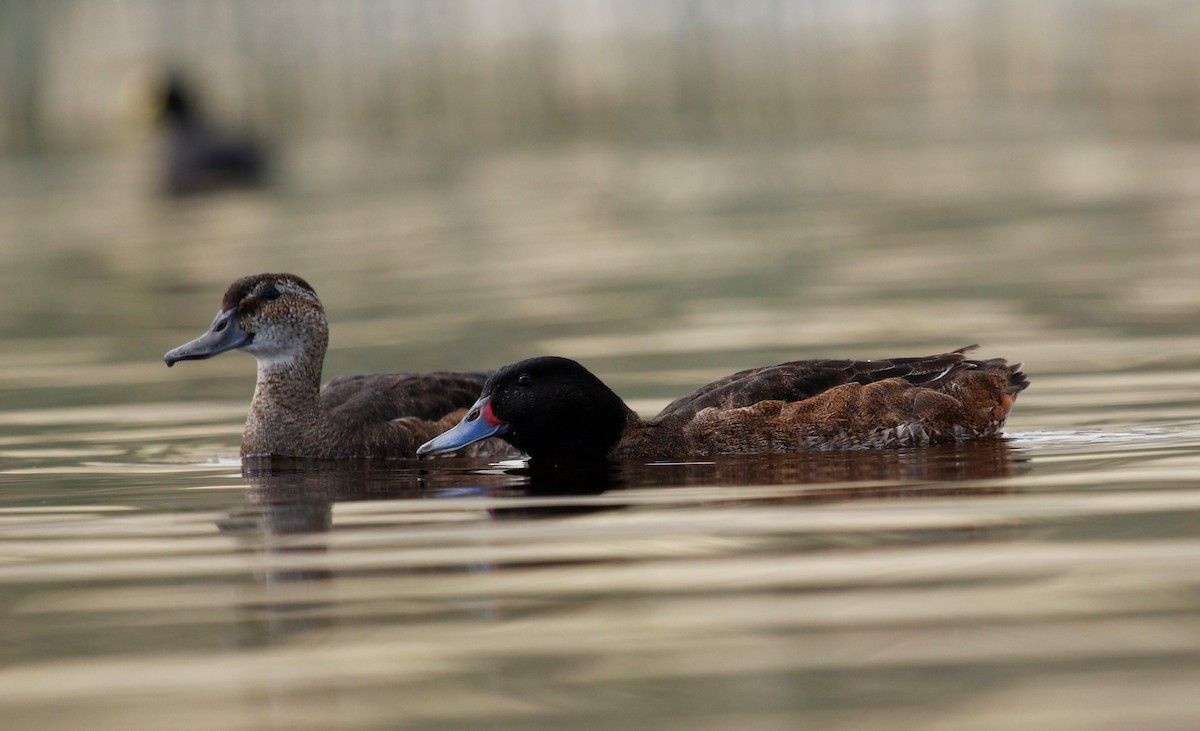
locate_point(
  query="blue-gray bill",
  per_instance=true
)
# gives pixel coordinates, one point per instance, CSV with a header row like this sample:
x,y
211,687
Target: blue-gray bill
x,y
477,425
223,335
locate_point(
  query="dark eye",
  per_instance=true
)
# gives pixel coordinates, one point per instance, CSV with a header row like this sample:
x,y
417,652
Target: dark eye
x,y
270,293
524,380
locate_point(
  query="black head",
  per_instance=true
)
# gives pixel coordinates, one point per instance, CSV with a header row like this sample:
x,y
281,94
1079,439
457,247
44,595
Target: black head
x,y
551,408
178,102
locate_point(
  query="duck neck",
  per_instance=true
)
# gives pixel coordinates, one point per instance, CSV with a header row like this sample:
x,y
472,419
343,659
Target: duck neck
x,y
642,439
286,407
623,424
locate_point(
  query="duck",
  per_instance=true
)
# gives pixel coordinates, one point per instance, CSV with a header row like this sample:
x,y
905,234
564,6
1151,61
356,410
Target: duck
x,y
279,319
552,408
200,157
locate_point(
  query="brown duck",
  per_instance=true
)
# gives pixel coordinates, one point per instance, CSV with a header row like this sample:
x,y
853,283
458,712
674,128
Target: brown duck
x,y
278,319
554,408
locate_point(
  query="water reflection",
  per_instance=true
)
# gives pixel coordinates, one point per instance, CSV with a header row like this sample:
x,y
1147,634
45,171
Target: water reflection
x,y
288,506
286,497
309,525
849,475
759,592
289,502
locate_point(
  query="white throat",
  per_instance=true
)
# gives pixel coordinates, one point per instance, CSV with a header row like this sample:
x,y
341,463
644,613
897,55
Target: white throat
x,y
275,361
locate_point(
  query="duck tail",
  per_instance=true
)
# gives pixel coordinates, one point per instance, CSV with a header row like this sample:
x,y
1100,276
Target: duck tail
x,y
1017,380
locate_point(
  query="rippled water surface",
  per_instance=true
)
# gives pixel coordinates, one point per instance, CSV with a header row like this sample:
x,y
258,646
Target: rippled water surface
x,y
1050,580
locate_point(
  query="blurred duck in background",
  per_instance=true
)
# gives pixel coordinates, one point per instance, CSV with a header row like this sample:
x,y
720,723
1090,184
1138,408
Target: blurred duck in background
x,y
201,157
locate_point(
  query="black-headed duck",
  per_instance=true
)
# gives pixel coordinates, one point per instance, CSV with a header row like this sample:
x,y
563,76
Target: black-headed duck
x,y
278,319
553,408
200,157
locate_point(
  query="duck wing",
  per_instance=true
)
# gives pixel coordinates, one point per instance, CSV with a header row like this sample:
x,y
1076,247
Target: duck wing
x,y
381,397
803,379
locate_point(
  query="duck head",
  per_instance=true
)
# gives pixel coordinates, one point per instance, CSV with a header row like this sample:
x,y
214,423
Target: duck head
x,y
277,318
177,105
547,407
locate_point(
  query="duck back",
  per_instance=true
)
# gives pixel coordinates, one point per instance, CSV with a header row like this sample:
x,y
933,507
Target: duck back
x,y
837,405
799,380
385,396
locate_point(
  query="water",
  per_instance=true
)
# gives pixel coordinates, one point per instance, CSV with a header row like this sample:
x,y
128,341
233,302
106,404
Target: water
x,y
1050,580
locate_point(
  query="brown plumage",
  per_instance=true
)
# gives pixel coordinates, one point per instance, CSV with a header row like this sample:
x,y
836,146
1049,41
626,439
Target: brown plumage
x,y
553,407
278,319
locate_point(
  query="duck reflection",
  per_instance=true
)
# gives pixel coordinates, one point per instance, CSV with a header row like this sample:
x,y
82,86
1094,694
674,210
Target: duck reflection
x,y
290,497
942,469
288,521
287,524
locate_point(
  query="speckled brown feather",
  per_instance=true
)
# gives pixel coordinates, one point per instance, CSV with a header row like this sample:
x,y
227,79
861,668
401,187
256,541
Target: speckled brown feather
x,y
554,408
378,416
804,379
952,400
368,416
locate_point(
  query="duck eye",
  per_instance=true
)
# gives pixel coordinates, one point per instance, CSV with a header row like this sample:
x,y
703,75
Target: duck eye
x,y
270,293
524,380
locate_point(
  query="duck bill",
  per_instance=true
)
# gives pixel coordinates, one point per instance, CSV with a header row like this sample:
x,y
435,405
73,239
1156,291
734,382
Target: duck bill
x,y
224,334
477,425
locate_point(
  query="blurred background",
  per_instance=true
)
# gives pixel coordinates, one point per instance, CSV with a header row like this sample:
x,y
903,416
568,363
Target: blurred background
x,y
668,192
641,186
463,74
